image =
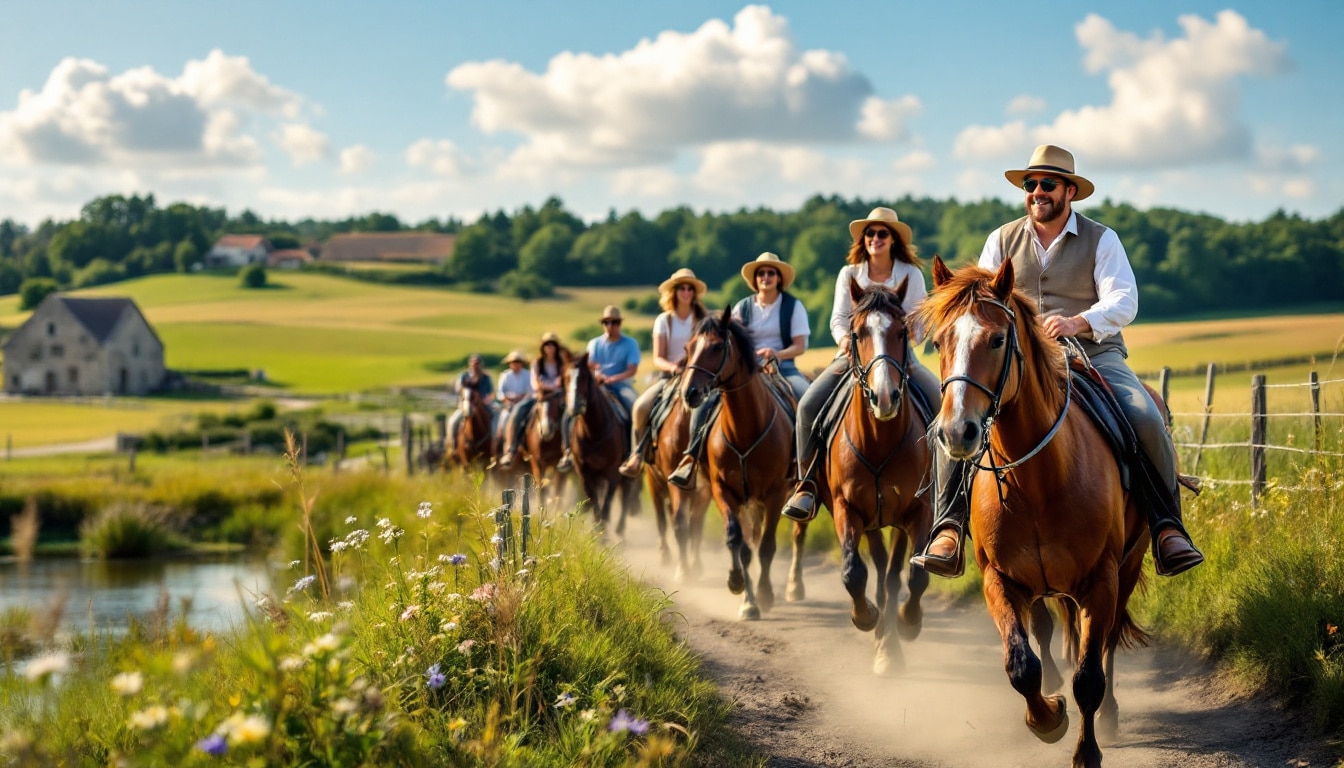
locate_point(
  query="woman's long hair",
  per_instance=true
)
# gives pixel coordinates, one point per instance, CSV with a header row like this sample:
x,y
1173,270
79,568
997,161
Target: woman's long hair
x,y
900,250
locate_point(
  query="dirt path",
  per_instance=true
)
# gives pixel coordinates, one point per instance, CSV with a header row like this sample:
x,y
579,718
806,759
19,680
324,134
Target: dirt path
x,y
806,696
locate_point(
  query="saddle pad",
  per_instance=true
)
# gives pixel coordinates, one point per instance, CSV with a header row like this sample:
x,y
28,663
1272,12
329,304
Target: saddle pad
x,y
1101,406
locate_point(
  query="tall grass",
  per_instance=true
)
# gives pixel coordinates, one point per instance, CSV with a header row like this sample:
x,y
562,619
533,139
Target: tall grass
x,y
122,530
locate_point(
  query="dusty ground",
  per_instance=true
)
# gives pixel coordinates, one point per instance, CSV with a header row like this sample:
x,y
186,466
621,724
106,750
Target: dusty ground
x,y
805,694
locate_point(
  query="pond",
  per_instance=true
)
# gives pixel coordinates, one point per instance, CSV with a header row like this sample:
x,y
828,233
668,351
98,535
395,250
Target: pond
x,y
110,592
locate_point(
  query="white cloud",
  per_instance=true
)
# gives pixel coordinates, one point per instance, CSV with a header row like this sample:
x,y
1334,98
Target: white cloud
x,y
678,91
442,157
356,159
140,120
302,143
915,161
1299,157
1174,102
1025,105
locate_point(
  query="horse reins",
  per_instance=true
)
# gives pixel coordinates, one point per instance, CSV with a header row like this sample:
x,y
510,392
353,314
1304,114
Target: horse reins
x,y
861,372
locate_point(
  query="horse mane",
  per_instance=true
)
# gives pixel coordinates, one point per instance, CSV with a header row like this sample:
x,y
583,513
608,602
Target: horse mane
x,y
733,331
959,292
877,298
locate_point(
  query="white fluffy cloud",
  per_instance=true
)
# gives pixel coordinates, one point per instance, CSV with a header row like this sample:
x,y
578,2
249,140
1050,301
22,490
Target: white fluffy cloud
x,y
140,119
1025,105
302,143
442,157
356,159
1174,102
678,91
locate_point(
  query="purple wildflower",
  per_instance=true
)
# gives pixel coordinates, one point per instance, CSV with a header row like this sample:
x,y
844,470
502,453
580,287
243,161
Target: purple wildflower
x,y
622,721
458,560
215,745
435,679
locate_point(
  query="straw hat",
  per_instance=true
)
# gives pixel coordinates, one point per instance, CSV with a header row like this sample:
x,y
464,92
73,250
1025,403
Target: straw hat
x,y
516,356
1054,160
882,216
686,276
768,259
550,336
612,312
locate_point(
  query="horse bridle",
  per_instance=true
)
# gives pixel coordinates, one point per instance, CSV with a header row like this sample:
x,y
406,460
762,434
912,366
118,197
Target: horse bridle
x,y
996,400
861,372
716,376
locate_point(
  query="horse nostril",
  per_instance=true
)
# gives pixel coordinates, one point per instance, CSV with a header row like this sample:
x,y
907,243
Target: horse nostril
x,y
970,433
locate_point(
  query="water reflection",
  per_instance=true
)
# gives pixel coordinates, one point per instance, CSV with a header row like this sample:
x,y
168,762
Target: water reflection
x,y
109,592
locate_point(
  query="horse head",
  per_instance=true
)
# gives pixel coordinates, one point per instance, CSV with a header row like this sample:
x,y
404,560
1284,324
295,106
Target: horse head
x,y
549,410
877,335
720,355
579,385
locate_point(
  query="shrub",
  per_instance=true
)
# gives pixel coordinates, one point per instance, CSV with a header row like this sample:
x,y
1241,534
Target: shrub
x,y
129,530
253,276
525,285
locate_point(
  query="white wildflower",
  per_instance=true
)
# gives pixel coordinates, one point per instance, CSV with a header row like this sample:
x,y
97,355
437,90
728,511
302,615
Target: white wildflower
x,y
128,683
43,667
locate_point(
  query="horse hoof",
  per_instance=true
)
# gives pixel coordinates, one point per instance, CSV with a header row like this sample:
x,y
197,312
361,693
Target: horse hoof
x,y
1051,734
1108,725
887,666
749,613
766,599
866,623
795,594
736,584
911,621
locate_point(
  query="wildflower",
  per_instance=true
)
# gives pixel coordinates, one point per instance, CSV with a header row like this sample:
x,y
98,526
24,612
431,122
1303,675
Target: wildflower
x,y
294,564
435,678
410,612
337,545
245,729
128,683
390,534
588,715
565,699
624,722
384,522
448,626
149,718
345,605
344,707
426,509
483,593
496,539
291,664
322,645
458,559
522,572
464,647
43,667
302,584
457,725
356,538
319,615
214,745
350,520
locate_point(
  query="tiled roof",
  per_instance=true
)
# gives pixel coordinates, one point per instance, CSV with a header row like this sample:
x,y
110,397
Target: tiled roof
x,y
240,241
389,246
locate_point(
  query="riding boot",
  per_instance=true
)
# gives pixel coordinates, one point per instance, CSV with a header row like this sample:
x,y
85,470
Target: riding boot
x,y
1173,552
945,556
802,505
684,475
635,461
566,462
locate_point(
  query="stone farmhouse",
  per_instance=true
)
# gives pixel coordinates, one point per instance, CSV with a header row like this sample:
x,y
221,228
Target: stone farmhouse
x,y
389,246
78,346
238,251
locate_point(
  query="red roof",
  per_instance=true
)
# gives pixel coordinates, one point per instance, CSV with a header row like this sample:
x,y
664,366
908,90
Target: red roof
x,y
240,241
288,254
389,246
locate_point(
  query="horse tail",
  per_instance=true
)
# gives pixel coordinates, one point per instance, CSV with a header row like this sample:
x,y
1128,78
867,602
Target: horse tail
x,y
1130,635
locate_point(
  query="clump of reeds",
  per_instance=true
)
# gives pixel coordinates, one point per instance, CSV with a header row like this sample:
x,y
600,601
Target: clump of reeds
x,y
127,530
23,531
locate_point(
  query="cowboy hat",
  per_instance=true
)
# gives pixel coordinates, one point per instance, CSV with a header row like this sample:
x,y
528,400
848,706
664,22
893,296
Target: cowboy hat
x,y
768,259
551,337
612,312
686,276
1054,160
881,216
516,356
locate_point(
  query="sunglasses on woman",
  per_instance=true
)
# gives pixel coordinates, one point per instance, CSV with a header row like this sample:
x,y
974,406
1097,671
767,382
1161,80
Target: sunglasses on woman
x,y
877,234
1049,185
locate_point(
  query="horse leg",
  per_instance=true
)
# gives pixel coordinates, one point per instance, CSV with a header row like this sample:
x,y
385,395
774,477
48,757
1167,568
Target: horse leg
x,y
795,591
853,573
911,615
661,513
1096,615
738,583
680,529
697,534
765,550
1047,716
1108,716
1043,632
889,659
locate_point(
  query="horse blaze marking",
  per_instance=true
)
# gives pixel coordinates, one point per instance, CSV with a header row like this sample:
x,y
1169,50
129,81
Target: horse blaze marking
x,y
878,323
965,328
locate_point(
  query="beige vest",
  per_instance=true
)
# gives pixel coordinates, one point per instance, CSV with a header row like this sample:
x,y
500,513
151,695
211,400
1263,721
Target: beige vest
x,y
1067,287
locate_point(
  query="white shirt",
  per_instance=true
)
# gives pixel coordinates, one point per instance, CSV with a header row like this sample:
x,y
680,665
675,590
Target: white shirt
x,y
1117,290
764,326
843,308
677,332
513,383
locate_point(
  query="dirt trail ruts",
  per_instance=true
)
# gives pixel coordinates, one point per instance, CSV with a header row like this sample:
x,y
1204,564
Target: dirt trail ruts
x,y
805,694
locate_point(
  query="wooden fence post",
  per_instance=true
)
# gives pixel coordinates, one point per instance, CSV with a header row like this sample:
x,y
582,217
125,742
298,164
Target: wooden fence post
x,y
1208,411
441,430
528,486
1258,436
340,451
247,443
504,527
1316,409
406,446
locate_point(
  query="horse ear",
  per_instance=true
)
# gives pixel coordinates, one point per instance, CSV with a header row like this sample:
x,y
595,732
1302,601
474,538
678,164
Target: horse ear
x,y
902,288
855,291
1003,280
941,274
726,316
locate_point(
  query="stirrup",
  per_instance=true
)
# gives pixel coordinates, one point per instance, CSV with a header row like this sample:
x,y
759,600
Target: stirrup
x,y
802,505
1178,563
565,464
632,465
684,475
948,567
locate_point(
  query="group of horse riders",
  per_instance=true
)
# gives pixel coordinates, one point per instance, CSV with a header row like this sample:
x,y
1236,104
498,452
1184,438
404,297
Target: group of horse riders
x,y
1074,269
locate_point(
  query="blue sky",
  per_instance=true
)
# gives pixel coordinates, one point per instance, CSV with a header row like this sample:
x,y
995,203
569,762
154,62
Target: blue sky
x,y
422,109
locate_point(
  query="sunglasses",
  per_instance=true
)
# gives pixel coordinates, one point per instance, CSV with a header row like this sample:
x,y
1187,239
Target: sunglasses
x,y
686,287
877,234
611,322
1048,185
766,273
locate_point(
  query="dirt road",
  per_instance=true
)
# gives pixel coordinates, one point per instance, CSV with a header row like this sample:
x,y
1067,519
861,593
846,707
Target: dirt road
x,y
802,680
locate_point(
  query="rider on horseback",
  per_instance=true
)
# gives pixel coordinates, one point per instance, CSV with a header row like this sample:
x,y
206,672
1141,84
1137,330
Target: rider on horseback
x,y
474,378
777,322
515,386
679,296
1077,272
615,358
547,375
881,253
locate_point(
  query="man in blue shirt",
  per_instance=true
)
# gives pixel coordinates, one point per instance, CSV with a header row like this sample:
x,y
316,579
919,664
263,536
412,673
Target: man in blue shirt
x,y
614,358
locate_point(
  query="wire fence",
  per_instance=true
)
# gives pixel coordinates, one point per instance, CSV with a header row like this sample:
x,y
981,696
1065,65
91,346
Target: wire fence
x,y
1267,433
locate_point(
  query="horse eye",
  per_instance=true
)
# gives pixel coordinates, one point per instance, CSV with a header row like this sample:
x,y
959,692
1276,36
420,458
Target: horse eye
x,y
937,345
997,341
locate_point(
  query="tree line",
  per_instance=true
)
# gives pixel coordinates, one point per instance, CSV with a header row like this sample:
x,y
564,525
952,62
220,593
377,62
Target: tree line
x,y
1185,262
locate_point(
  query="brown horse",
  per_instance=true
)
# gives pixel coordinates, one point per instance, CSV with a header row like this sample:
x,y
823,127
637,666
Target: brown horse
x,y
474,443
599,440
749,456
544,447
876,462
1048,514
683,509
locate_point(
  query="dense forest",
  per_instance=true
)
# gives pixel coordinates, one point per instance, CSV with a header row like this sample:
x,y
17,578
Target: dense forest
x,y
1185,262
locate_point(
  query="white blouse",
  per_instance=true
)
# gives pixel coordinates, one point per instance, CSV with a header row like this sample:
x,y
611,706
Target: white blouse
x,y
843,307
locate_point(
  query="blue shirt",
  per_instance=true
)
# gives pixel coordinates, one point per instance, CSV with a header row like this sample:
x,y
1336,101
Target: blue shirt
x,y
614,357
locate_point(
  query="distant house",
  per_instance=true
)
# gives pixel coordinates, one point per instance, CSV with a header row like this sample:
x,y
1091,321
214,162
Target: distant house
x,y
288,258
389,246
73,346
238,251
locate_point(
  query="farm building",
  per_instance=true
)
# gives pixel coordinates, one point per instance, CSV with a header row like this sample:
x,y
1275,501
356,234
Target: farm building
x,y
288,258
389,246
238,251
72,346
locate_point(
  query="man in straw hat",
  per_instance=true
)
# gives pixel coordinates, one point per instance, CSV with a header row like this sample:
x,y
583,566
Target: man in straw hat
x,y
614,358
515,386
475,378
1077,272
